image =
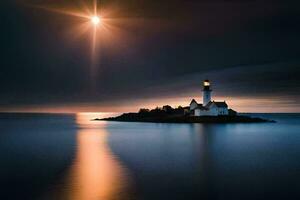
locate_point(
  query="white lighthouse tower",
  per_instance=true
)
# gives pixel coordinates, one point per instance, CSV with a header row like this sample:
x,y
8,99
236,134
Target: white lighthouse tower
x,y
206,92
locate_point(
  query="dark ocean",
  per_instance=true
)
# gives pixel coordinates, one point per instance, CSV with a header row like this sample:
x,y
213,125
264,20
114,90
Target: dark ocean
x,y
69,157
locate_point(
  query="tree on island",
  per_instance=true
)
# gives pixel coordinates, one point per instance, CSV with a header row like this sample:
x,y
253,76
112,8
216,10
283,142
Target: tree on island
x,y
144,110
167,109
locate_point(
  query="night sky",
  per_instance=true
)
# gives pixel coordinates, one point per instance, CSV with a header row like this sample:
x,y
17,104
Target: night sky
x,y
156,53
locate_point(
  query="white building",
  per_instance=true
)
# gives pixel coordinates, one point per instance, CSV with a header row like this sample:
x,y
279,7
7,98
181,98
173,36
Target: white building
x,y
209,107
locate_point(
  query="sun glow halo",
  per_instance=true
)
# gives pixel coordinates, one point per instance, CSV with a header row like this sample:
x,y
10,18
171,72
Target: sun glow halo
x,y
93,20
96,20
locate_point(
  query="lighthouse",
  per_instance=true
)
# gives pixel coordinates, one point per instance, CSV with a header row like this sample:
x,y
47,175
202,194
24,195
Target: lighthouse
x,y
206,92
209,107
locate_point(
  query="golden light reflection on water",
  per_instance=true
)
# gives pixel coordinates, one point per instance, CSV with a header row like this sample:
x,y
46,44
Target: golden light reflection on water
x,y
95,173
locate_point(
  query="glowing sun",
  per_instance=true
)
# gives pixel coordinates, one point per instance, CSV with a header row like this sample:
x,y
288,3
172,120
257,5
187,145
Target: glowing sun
x,y
96,20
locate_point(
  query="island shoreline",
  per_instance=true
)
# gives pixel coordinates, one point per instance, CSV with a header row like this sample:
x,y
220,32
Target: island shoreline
x,y
135,117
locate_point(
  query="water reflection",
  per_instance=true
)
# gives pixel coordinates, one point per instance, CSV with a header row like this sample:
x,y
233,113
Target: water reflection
x,y
95,173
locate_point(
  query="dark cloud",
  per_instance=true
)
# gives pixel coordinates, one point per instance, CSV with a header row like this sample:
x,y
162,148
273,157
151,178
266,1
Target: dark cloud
x,y
248,48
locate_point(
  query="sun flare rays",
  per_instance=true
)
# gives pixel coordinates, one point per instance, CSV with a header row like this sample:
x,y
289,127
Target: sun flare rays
x,y
90,21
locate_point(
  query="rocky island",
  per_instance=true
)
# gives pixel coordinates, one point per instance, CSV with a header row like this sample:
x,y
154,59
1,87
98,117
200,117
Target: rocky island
x,y
209,111
177,115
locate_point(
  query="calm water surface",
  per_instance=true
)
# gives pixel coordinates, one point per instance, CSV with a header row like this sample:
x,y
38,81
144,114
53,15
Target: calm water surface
x,y
51,156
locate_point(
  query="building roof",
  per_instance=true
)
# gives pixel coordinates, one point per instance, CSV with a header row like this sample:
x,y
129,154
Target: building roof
x,y
193,101
220,104
199,105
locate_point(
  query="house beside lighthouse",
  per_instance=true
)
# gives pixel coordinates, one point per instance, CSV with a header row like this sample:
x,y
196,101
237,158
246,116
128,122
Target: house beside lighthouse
x,y
208,107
